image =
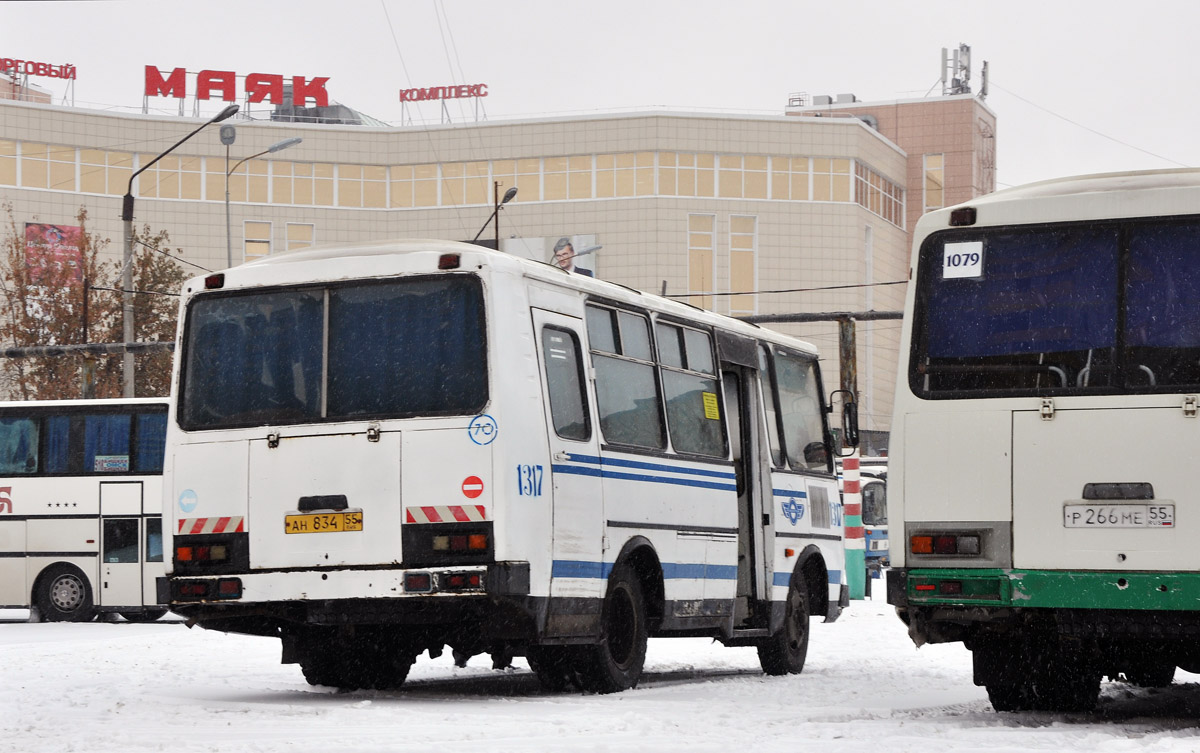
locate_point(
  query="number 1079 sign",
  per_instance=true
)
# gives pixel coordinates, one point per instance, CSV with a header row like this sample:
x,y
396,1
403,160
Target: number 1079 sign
x,y
960,260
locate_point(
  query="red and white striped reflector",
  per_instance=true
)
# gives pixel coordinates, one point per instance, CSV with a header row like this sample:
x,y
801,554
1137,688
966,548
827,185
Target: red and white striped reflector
x,y
445,514
233,524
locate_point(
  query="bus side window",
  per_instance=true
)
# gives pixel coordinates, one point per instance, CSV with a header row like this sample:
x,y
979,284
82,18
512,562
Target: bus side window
x,y
564,381
154,551
57,458
18,446
121,540
770,397
802,413
690,386
151,439
626,389
106,443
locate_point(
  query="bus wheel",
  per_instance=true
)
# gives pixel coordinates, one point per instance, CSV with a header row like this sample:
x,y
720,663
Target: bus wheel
x,y
1150,674
552,665
64,595
146,615
785,651
616,662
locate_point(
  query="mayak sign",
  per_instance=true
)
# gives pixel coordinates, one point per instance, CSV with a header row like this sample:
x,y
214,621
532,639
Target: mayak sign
x,y
443,92
29,67
258,86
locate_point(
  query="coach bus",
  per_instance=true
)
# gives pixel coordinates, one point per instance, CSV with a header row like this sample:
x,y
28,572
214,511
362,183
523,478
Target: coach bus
x,y
81,507
1045,424
381,450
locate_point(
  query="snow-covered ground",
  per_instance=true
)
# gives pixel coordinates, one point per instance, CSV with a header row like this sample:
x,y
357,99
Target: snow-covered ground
x,y
162,687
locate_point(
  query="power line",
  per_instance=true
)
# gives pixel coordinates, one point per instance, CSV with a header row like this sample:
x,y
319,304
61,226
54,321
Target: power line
x,y
169,255
788,290
1088,128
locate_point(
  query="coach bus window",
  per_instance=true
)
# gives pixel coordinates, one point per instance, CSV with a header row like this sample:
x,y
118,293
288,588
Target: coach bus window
x,y
57,458
151,438
154,552
693,412
414,347
626,390
18,446
120,540
800,406
106,443
770,396
564,380
1162,328
1028,311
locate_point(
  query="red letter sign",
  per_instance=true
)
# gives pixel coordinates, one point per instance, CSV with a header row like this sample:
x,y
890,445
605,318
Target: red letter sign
x,y
174,86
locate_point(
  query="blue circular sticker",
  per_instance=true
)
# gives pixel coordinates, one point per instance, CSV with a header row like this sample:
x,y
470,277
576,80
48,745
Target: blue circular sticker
x,y
483,429
188,500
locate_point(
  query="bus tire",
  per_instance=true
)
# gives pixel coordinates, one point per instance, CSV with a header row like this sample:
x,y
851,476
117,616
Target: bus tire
x,y
615,663
552,665
784,652
63,595
146,615
1150,674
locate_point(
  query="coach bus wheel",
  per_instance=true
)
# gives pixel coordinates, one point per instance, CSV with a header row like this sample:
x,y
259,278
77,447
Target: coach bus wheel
x,y
785,651
146,615
615,663
64,595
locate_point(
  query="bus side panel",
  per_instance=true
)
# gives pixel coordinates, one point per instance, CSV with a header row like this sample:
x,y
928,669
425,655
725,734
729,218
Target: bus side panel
x,y
799,523
14,588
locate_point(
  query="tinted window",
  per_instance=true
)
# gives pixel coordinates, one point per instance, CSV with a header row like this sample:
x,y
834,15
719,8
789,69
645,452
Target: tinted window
x,y
58,444
407,348
564,380
121,540
106,443
769,402
151,439
18,446
1162,326
154,552
253,359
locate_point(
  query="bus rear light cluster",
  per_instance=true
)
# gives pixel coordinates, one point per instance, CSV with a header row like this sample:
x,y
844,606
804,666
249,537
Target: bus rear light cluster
x,y
427,583
216,553
477,542
946,544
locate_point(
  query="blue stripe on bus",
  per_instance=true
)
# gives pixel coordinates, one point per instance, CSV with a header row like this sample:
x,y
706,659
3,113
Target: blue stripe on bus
x,y
593,460
784,579
671,571
586,471
788,493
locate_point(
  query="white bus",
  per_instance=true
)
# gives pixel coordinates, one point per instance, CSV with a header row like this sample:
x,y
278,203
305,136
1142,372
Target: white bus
x,y
381,450
81,507
1041,502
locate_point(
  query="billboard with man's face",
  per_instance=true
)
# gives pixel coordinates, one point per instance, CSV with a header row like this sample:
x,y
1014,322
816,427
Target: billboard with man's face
x,y
576,253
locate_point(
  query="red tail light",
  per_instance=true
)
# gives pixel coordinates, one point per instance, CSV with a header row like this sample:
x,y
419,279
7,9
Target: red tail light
x,y
213,282
448,261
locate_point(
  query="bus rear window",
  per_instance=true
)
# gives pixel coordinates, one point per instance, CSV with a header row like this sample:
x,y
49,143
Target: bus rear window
x,y
409,347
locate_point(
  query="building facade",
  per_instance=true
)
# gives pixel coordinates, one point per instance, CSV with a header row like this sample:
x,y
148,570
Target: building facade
x,y
742,215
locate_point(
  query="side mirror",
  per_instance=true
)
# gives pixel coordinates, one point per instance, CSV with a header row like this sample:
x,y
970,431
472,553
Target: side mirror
x,y
849,417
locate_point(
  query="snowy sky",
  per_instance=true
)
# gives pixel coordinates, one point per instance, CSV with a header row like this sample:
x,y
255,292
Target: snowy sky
x,y
1077,86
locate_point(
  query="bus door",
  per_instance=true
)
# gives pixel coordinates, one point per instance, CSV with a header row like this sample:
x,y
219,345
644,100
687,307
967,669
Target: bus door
x,y
578,509
741,410
120,544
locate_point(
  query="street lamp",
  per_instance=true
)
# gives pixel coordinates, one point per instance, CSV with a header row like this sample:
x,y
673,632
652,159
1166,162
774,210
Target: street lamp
x,y
127,270
286,143
508,196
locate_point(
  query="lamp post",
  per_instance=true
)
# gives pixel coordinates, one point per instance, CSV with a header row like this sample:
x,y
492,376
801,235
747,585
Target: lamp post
x,y
508,196
127,270
286,143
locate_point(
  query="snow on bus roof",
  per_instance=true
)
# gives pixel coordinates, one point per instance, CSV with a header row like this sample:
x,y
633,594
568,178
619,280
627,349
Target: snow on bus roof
x,y
534,269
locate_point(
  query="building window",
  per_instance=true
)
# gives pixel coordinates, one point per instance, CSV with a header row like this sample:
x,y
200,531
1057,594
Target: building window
x,y
465,183
830,179
743,250
300,235
790,178
701,242
8,163
525,174
935,183
257,237
878,194
694,175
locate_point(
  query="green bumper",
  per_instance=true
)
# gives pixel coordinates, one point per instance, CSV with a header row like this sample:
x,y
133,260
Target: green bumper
x,y
1176,591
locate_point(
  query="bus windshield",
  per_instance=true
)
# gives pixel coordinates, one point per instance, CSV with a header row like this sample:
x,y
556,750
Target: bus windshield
x,y
398,348
1081,307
